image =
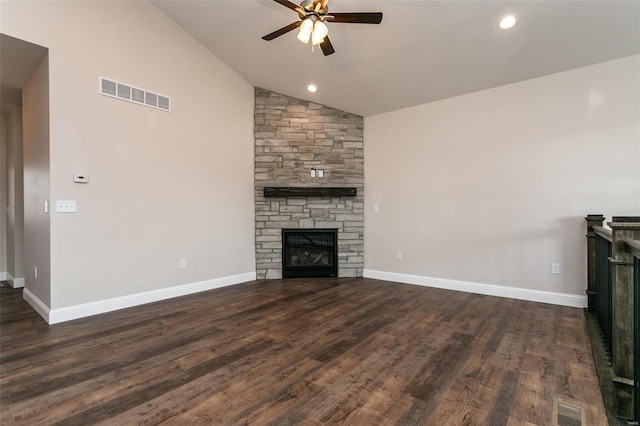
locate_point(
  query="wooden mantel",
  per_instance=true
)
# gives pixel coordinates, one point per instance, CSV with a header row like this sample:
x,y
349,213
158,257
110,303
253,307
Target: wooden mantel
x,y
296,191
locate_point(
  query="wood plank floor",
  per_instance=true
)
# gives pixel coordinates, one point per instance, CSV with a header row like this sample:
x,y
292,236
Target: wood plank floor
x,y
300,351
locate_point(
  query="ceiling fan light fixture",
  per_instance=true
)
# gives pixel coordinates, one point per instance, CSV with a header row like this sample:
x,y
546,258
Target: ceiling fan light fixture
x,y
305,30
311,25
320,31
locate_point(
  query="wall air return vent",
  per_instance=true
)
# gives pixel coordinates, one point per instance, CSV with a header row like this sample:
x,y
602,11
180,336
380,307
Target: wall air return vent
x,y
151,99
108,87
127,92
164,102
137,95
124,91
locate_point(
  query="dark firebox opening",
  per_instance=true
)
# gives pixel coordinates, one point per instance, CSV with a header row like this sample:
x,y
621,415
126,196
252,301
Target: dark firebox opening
x,y
309,253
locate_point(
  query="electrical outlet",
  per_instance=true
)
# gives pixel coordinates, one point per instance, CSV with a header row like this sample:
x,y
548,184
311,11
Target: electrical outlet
x,y
555,268
376,208
183,263
398,255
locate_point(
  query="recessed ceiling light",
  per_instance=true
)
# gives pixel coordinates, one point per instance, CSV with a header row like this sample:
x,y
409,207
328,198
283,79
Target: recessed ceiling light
x,y
312,88
507,22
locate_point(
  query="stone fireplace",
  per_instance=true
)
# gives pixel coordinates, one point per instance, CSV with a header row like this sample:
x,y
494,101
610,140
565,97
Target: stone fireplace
x,y
295,140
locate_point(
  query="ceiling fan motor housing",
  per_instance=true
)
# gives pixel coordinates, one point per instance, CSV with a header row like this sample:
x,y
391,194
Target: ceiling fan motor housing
x,y
307,4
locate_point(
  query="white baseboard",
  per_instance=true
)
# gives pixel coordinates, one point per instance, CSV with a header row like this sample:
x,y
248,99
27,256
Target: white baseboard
x,y
3,276
563,299
38,305
15,282
69,313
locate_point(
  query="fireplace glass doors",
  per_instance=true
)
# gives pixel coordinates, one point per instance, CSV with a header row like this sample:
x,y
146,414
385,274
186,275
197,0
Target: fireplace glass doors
x,y
309,253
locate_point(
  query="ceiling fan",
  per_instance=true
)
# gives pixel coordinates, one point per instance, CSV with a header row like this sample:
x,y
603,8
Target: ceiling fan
x,y
313,14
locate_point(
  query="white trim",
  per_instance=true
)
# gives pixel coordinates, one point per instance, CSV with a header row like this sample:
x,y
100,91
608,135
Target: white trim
x,y
15,282
563,299
3,276
37,304
101,306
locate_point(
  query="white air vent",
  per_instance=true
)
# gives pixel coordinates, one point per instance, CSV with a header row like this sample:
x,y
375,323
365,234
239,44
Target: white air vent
x,y
164,102
108,87
127,92
124,91
137,95
151,99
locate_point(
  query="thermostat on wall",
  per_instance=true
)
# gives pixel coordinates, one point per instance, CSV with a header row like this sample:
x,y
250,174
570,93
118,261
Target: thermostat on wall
x,y
80,178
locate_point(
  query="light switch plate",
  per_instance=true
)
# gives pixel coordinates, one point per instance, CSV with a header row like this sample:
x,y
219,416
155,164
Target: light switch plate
x,y
65,206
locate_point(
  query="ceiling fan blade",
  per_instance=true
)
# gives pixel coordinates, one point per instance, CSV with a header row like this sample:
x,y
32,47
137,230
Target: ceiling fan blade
x,y
292,6
356,17
327,47
282,30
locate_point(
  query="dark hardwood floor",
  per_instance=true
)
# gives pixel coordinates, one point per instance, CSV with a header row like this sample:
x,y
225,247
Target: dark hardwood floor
x,y
300,351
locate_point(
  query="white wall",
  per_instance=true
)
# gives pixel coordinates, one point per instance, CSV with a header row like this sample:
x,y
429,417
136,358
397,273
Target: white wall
x,y
14,192
163,186
37,185
492,187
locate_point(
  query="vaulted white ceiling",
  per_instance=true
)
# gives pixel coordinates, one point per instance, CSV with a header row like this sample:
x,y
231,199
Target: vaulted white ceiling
x,y
421,52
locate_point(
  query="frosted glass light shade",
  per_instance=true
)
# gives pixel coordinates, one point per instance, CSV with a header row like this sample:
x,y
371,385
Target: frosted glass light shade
x,y
305,31
320,31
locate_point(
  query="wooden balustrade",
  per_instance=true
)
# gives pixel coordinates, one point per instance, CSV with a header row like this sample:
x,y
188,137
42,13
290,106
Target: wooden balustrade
x,y
633,246
602,277
613,292
593,220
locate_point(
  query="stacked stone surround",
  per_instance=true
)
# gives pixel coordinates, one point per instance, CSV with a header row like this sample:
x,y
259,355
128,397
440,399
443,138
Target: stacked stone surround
x,y
293,136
